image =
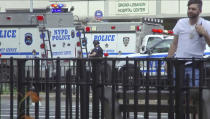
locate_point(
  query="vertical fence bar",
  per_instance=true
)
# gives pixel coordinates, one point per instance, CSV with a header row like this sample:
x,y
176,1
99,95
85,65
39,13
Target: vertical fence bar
x,y
20,89
125,78
187,87
28,88
84,91
11,87
77,87
201,85
58,90
37,85
113,88
68,95
136,72
180,72
158,90
47,85
170,66
104,79
146,112
96,75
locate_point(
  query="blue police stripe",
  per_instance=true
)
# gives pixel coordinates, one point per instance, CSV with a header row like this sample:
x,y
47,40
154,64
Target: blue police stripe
x,y
116,53
19,53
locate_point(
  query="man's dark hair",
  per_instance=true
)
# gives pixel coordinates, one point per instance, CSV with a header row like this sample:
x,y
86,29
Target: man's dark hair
x,y
198,2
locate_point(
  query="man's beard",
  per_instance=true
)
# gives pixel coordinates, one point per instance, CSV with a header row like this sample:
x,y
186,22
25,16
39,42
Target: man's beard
x,y
192,16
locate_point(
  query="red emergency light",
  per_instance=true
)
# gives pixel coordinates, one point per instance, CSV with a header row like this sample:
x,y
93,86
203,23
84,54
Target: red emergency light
x,y
8,18
157,30
42,46
54,5
40,18
106,54
138,28
160,31
113,27
87,29
170,32
78,44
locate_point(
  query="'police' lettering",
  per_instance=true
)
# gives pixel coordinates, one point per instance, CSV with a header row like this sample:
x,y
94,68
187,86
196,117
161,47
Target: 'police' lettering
x,y
7,33
104,37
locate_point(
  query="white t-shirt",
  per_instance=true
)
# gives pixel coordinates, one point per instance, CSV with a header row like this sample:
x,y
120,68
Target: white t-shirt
x,y
190,43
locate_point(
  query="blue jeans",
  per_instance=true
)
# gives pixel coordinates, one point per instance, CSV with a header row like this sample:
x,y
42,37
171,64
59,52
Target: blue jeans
x,y
188,72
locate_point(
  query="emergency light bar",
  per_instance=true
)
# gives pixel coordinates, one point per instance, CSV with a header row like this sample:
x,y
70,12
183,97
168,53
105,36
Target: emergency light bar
x,y
157,30
152,20
57,8
162,31
57,5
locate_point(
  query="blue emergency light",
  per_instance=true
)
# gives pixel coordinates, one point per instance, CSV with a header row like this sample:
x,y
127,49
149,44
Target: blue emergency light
x,y
57,8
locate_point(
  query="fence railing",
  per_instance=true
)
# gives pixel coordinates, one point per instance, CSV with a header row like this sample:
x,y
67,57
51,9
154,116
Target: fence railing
x,y
108,89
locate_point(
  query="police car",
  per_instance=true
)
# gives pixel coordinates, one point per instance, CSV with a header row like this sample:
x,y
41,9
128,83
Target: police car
x,y
158,50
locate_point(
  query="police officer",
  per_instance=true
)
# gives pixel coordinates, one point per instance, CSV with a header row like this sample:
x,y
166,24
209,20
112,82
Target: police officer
x,y
96,76
97,51
98,69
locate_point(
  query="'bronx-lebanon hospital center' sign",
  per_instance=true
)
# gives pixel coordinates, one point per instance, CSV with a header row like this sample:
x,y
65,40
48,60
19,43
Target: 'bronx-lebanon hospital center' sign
x,y
132,6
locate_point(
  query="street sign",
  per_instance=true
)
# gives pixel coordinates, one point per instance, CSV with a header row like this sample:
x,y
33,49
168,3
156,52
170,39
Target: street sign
x,y
98,14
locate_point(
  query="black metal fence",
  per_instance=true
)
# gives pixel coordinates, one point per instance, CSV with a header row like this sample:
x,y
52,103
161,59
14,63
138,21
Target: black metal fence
x,y
107,89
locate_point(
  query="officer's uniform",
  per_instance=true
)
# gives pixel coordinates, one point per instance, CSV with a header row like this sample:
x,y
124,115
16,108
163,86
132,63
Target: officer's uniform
x,y
98,50
99,53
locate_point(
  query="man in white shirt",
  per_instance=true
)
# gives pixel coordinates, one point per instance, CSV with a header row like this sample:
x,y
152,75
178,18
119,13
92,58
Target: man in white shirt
x,y
191,36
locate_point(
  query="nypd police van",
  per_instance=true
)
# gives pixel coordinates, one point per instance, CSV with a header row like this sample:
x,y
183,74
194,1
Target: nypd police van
x,y
124,38
43,35
49,34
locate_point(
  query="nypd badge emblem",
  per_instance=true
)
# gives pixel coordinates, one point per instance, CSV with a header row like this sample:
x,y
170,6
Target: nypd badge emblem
x,y
28,39
126,41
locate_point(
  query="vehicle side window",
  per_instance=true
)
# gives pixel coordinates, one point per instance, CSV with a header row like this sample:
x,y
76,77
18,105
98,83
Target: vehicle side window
x,y
152,41
162,47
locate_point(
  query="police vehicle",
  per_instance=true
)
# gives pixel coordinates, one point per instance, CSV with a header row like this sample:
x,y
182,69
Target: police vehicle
x,y
48,34
158,50
124,38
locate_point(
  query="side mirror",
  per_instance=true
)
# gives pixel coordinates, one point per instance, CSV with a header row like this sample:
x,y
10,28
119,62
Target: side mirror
x,y
143,48
149,51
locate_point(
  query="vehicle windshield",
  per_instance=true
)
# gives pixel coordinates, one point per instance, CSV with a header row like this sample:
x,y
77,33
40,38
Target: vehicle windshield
x,y
162,47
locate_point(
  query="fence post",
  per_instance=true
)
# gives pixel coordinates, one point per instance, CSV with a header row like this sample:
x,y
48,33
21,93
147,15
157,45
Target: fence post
x,y
37,85
47,89
180,73
11,87
96,91
84,91
58,90
20,88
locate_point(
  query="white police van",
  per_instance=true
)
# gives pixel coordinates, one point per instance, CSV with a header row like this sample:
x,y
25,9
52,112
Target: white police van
x,y
124,38
43,35
49,34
